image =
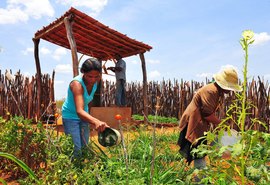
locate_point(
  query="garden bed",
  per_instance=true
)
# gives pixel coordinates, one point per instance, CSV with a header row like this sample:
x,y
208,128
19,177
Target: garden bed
x,y
50,152
158,125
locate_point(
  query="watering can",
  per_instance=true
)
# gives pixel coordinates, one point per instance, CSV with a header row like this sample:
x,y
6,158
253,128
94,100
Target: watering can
x,y
230,139
109,137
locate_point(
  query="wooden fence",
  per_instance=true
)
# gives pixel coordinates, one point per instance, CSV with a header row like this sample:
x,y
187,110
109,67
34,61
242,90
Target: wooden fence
x,y
19,97
172,98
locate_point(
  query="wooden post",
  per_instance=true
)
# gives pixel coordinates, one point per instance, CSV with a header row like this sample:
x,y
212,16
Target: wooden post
x,y
52,98
39,93
29,99
145,96
97,96
68,23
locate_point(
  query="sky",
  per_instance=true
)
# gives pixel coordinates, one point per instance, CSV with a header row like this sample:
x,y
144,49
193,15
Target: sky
x,y
191,39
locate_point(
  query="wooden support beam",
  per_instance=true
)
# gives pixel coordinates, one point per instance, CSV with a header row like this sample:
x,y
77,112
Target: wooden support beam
x,y
39,93
68,24
52,98
145,96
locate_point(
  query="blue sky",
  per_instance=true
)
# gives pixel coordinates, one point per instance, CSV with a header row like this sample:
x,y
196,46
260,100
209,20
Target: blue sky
x,y
191,39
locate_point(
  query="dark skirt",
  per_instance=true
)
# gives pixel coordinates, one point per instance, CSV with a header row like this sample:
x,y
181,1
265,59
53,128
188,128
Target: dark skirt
x,y
186,146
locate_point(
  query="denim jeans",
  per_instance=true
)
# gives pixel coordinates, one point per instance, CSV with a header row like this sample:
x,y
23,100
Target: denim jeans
x,y
120,94
79,132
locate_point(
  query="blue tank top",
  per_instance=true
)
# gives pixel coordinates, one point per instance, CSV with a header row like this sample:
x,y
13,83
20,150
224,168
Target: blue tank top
x,y
69,108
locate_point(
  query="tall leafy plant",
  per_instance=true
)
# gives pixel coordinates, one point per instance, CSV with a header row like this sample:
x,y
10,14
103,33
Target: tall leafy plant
x,y
240,166
245,41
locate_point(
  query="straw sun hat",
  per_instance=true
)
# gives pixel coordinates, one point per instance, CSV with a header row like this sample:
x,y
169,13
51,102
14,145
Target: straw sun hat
x,y
227,79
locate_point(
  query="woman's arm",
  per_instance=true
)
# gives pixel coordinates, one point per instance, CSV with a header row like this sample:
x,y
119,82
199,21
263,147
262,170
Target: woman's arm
x,y
77,90
114,69
213,119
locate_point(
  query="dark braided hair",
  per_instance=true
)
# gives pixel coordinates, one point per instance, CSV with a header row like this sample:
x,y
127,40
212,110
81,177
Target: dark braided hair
x,y
90,64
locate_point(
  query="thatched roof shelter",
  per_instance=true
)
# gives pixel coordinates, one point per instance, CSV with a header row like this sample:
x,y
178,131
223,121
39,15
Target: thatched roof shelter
x,y
92,37
81,33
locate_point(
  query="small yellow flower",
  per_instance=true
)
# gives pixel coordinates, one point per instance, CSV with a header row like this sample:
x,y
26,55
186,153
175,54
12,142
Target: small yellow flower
x,y
20,125
85,161
248,34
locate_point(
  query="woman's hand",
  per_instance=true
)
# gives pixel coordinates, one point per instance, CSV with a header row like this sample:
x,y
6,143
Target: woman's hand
x,y
100,126
213,119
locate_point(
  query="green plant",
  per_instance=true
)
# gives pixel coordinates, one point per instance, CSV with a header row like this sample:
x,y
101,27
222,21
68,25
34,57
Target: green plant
x,y
249,156
21,164
156,118
25,141
97,165
245,41
3,181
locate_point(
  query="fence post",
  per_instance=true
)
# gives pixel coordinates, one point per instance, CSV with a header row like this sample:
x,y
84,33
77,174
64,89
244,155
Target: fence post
x,y
145,96
39,93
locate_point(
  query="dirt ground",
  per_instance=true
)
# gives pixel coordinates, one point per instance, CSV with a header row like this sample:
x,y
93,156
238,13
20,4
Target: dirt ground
x,y
129,131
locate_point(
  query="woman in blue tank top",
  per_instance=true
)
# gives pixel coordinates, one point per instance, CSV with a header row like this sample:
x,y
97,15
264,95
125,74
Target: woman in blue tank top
x,y
75,112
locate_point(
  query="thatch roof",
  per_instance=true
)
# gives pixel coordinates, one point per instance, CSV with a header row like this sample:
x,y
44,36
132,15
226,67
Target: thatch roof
x,y
92,37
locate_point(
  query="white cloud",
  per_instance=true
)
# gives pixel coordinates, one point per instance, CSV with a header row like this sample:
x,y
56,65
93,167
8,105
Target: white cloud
x,y
1,49
204,75
154,74
27,51
12,16
261,38
95,5
134,62
45,51
37,9
64,68
58,53
153,61
22,10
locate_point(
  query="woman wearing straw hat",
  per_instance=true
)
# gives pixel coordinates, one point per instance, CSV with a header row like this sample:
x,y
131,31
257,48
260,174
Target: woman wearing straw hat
x,y
200,113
